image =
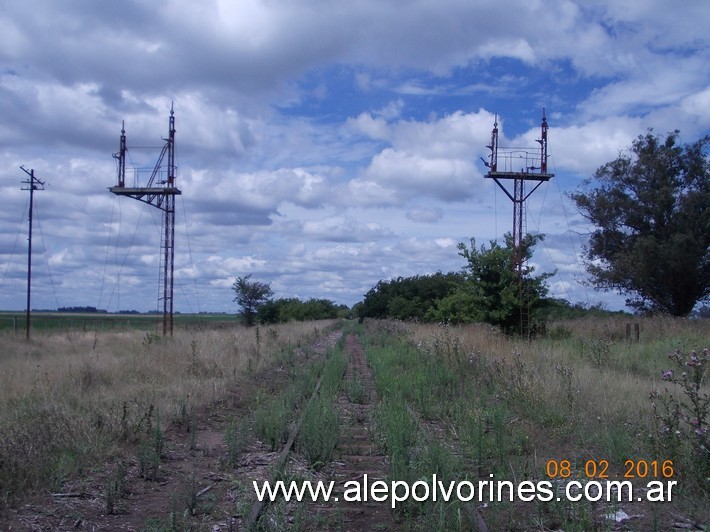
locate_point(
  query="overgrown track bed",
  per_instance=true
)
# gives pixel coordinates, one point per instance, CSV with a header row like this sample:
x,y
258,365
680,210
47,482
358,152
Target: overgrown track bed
x,y
359,455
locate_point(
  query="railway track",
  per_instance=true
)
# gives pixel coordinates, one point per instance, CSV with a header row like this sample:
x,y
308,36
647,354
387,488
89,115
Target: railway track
x,y
360,456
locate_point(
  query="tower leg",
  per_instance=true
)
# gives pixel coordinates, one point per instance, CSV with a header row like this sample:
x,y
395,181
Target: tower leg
x,y
168,263
518,258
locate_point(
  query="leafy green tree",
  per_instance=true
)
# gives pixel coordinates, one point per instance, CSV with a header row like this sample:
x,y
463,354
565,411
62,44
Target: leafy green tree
x,y
651,209
250,295
402,308
460,306
293,309
407,298
344,311
269,311
491,292
319,309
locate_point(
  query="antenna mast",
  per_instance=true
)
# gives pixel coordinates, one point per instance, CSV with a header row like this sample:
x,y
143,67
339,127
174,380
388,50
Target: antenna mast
x,y
32,184
503,165
159,192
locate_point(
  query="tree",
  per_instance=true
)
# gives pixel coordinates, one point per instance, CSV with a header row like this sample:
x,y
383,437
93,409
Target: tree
x,y
407,298
287,309
651,209
250,295
491,292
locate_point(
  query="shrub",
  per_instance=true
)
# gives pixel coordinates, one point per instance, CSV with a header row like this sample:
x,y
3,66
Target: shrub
x,y
683,426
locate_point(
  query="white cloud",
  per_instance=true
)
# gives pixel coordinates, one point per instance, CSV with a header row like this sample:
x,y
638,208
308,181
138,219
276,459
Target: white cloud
x,y
411,174
584,148
424,159
343,229
373,127
425,215
320,146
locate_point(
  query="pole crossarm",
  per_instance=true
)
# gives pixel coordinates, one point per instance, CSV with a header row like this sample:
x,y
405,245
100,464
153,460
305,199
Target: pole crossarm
x,y
515,178
154,196
33,182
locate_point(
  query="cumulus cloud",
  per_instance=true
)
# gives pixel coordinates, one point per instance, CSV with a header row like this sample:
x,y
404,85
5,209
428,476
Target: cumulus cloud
x,y
411,174
320,146
432,158
343,229
424,215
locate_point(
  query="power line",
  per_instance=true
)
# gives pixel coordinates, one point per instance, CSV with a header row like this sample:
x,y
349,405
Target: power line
x,y
14,245
46,257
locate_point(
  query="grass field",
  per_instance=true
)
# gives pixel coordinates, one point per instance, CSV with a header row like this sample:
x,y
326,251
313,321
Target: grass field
x,y
583,395
60,321
68,399
462,402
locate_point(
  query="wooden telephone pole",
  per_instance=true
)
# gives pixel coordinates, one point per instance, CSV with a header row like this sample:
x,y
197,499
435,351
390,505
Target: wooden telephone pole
x,y
32,184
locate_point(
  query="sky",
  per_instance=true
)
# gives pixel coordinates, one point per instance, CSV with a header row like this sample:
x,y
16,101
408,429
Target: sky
x,y
321,146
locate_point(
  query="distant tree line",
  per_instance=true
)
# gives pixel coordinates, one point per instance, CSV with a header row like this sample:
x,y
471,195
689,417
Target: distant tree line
x,y
293,309
409,298
86,310
485,291
256,303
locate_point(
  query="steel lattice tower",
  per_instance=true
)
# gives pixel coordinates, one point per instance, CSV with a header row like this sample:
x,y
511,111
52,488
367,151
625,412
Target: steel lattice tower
x,y
160,192
521,166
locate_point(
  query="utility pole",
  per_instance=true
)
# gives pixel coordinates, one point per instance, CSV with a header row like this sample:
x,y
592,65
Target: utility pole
x,y
32,184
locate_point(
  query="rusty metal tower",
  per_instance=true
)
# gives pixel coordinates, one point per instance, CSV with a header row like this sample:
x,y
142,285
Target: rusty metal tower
x,y
519,166
160,192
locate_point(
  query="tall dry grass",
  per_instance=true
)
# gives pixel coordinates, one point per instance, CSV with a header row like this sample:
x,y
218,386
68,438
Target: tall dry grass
x,y
67,399
585,369
583,394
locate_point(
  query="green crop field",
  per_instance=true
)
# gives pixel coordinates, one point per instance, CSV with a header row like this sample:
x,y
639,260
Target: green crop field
x,y
58,321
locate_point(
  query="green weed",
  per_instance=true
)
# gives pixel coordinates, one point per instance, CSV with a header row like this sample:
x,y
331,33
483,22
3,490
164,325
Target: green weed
x,y
116,489
271,418
683,425
236,437
320,431
355,390
151,451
